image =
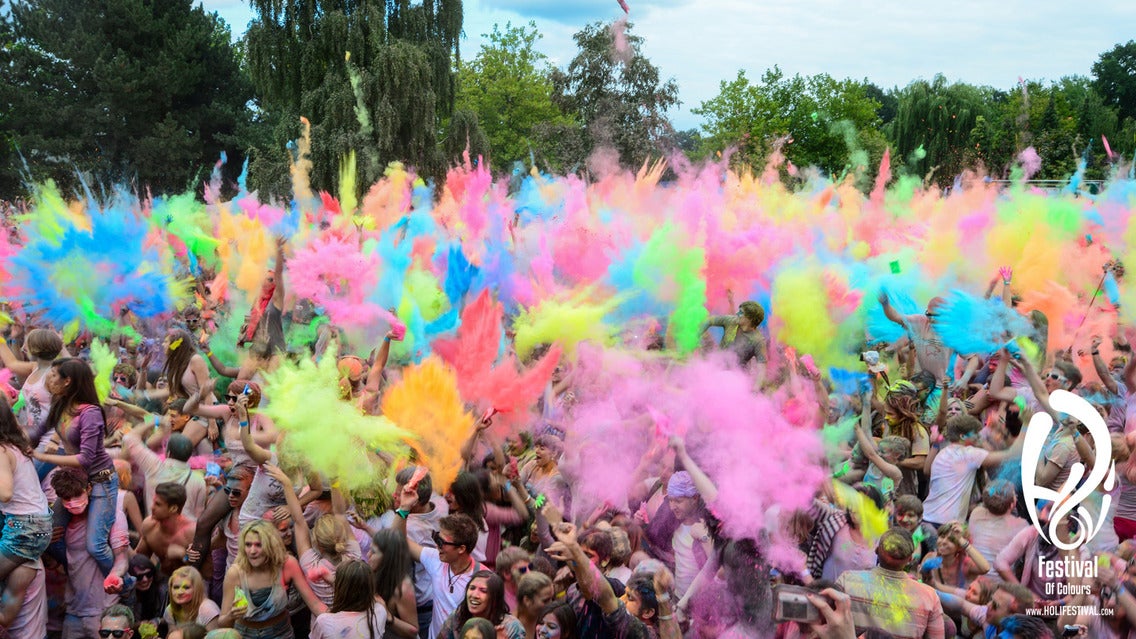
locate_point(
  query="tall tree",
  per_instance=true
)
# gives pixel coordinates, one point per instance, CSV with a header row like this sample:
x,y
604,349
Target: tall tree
x,y
402,57
507,85
616,96
938,118
122,90
818,121
1114,76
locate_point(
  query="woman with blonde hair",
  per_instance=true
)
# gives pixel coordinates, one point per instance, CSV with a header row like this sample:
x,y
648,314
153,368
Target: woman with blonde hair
x,y
534,593
188,602
324,547
255,599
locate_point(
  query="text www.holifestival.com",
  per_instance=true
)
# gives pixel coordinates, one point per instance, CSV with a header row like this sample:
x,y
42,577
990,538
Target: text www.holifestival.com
x,y
1076,611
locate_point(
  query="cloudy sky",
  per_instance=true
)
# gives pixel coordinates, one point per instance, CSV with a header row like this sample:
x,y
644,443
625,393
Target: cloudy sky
x,y
890,42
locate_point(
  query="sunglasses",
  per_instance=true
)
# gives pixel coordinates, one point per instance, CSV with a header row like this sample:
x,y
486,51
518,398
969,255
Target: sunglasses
x,y
438,541
231,398
144,575
1057,376
523,569
235,492
121,379
117,634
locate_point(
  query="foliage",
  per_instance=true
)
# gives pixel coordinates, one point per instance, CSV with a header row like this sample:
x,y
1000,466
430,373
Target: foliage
x,y
403,57
121,91
823,122
1114,76
507,86
618,103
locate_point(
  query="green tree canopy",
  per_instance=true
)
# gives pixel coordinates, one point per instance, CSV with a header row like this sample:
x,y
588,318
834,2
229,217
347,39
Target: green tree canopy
x,y
403,57
1114,76
823,122
619,102
938,118
508,86
122,90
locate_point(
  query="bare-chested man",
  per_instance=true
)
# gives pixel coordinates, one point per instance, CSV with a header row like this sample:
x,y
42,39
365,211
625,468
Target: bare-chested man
x,y
166,533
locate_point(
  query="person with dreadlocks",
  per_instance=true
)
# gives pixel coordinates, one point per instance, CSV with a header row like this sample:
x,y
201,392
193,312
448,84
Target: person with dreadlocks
x,y
902,413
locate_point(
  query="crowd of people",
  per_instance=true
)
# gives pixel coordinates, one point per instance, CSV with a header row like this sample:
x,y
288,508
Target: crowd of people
x,y
167,503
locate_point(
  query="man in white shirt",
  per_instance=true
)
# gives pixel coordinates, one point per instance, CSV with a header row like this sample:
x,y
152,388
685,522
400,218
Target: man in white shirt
x,y
450,565
953,468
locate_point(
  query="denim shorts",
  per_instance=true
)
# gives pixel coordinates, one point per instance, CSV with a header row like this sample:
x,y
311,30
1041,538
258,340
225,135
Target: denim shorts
x,y
25,536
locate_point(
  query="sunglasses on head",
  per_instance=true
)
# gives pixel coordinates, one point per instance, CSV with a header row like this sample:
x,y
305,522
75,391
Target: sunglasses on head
x,y
117,634
235,492
438,541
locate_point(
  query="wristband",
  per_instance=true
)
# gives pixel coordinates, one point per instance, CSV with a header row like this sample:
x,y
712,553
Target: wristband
x,y
157,421
1006,282
243,424
1096,352
662,597
209,354
666,617
402,513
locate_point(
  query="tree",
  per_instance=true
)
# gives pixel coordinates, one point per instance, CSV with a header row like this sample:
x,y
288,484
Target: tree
x,y
819,121
617,98
939,119
122,90
1114,76
508,87
389,98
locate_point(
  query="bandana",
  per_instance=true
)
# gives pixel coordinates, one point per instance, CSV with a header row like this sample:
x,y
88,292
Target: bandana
x,y
681,485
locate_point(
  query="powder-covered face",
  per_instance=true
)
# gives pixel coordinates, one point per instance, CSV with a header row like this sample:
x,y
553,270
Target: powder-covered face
x,y
548,628
181,591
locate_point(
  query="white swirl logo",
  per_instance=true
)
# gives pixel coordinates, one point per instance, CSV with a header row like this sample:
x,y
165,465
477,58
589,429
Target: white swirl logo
x,y
1068,497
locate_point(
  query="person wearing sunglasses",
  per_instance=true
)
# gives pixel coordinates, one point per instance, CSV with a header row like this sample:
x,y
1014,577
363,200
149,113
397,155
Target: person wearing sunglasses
x,y
117,622
449,564
259,427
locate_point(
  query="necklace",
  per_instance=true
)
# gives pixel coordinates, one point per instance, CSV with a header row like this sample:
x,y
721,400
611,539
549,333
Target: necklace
x,y
454,575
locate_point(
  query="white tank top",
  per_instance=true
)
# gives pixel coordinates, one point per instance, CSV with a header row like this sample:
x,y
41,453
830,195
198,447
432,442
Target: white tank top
x,y
27,496
37,404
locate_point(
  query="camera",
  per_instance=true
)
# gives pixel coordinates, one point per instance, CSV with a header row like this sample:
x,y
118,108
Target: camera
x,y
790,603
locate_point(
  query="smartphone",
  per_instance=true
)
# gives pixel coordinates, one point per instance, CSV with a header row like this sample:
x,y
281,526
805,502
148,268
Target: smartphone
x,y
790,603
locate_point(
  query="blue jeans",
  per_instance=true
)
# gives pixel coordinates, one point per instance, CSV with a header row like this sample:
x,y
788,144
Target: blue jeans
x,y
101,513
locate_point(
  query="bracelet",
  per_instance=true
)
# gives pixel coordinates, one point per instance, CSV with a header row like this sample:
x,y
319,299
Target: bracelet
x,y
662,597
666,617
1006,282
209,354
1096,352
157,421
402,513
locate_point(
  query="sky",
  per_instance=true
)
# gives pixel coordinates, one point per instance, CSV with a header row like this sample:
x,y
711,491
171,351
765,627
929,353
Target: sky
x,y
889,42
